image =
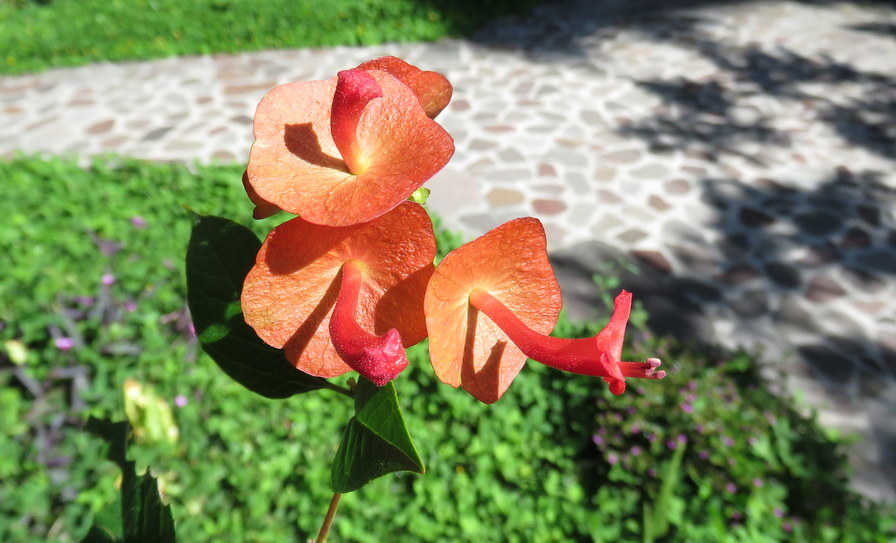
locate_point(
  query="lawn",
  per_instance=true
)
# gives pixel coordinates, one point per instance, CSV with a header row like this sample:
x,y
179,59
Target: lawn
x,y
52,33
99,253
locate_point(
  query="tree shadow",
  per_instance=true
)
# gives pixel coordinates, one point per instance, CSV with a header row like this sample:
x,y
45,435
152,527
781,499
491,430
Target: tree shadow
x,y
713,115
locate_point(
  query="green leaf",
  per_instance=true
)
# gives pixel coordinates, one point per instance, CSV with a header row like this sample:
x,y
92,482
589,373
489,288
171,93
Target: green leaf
x,y
144,519
376,441
220,254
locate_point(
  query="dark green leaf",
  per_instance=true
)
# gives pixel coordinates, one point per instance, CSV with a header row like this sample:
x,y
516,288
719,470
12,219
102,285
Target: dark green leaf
x,y
376,441
144,518
99,535
220,254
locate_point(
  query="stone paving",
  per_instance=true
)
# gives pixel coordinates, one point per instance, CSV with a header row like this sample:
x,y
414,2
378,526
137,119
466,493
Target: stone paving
x,y
741,155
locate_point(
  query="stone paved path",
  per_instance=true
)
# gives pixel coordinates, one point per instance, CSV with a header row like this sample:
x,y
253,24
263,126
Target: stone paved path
x,y
743,155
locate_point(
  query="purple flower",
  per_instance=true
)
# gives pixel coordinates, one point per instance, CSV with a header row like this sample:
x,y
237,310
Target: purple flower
x,y
671,444
682,439
64,343
180,400
727,441
737,515
687,408
130,306
651,472
108,279
704,455
651,437
778,512
757,482
597,440
612,458
636,429
138,221
631,410
787,527
699,428
636,451
731,488
86,301
692,385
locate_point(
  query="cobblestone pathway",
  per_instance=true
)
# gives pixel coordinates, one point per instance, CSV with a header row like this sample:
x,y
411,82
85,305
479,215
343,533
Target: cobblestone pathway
x,y
741,154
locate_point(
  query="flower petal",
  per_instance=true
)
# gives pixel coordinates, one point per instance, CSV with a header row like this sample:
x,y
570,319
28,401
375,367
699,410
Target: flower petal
x,y
295,164
467,349
432,88
288,296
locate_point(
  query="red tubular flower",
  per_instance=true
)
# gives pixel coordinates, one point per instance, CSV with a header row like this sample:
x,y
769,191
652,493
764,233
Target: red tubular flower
x,y
341,298
346,150
491,303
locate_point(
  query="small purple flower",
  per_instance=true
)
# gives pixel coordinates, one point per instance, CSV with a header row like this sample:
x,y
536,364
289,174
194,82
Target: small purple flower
x,y
180,400
731,488
191,329
597,440
779,512
787,527
682,439
671,444
699,428
86,301
636,429
108,279
692,385
737,515
612,458
130,306
727,441
757,482
651,472
138,221
690,398
631,410
636,451
704,455
651,437
64,344
687,408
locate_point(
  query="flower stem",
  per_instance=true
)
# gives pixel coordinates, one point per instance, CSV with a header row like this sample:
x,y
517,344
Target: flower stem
x,y
328,520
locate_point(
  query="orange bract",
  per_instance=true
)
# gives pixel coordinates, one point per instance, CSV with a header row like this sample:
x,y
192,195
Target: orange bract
x,y
431,88
295,164
467,349
288,296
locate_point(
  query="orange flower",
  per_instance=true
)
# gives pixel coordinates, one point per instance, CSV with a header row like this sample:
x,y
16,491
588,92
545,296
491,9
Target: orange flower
x,y
491,303
346,150
340,298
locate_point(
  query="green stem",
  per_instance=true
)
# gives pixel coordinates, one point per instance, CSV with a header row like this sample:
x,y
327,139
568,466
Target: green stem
x,y
341,390
331,512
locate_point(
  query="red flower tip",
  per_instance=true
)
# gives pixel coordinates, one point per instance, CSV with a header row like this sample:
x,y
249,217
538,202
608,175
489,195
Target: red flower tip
x,y
354,90
381,361
378,358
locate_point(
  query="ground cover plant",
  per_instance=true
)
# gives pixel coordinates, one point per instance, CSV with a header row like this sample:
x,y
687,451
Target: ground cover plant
x,y
712,455
43,34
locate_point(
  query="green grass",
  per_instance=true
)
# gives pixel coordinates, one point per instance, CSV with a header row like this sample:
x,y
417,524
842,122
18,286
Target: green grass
x,y
557,459
39,35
